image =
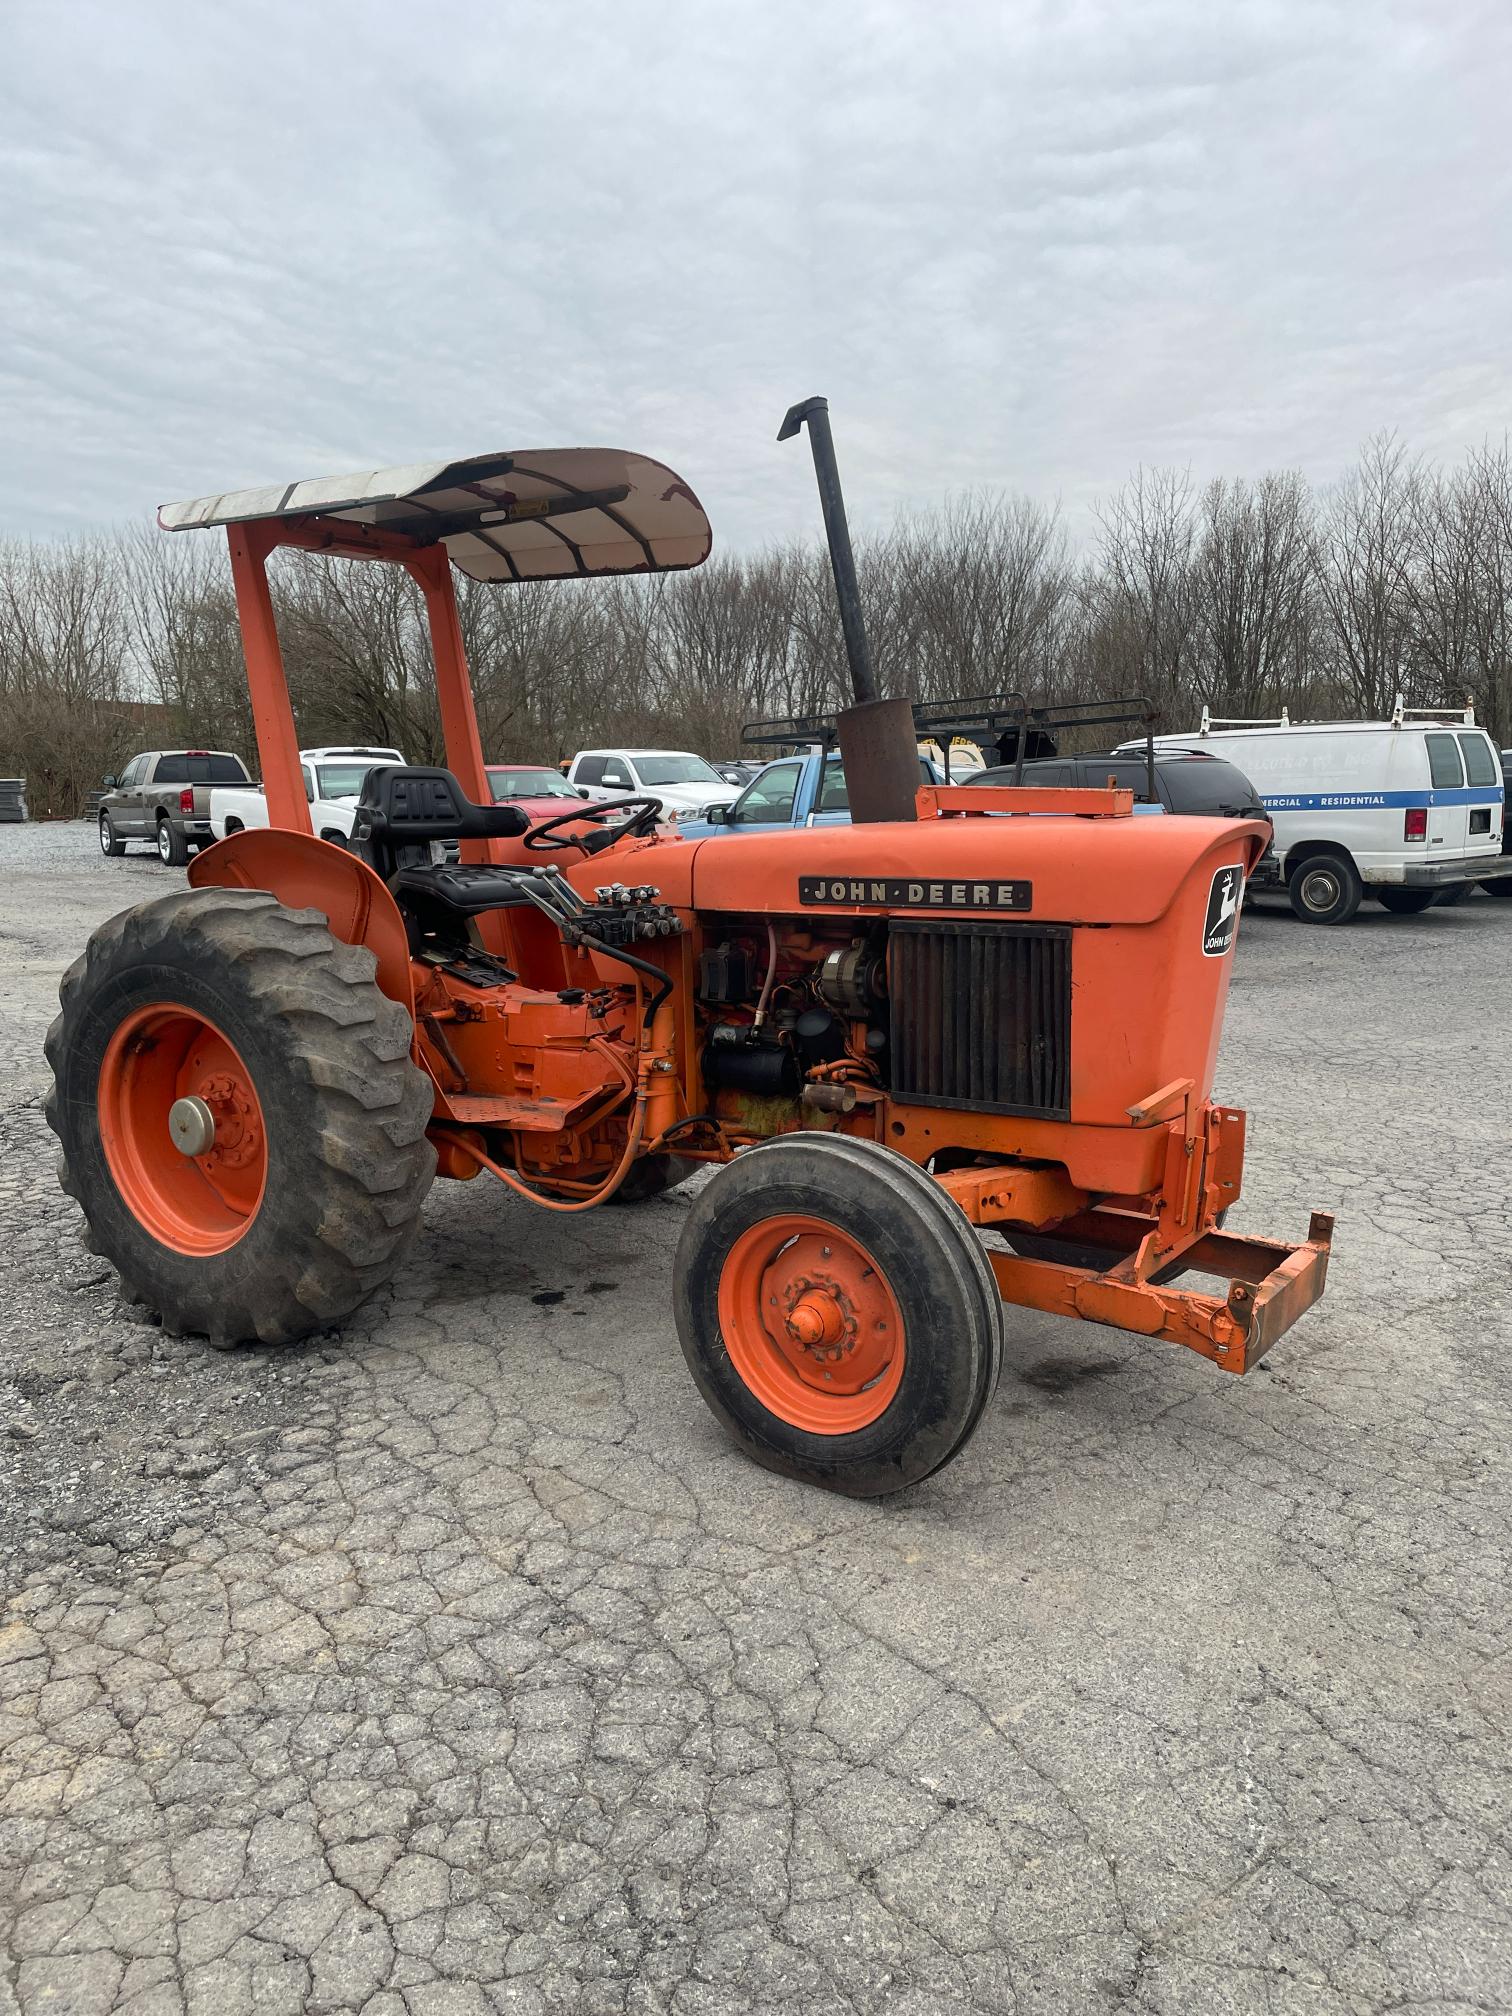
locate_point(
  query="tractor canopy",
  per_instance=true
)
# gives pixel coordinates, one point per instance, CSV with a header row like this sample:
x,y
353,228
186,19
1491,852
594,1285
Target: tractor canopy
x,y
532,515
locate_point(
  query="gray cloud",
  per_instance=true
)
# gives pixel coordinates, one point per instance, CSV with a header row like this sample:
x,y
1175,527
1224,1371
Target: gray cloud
x,y
1015,244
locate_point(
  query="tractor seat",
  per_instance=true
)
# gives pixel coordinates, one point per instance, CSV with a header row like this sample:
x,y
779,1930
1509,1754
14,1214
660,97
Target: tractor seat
x,y
431,894
404,806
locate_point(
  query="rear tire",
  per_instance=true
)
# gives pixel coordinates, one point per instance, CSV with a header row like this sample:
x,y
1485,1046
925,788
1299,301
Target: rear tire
x,y
222,1004
851,1246
1502,886
173,849
1324,889
110,841
1409,902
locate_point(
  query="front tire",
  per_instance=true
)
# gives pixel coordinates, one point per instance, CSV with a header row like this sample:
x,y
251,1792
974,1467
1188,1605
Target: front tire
x,y
173,849
111,843
240,1119
1324,889
1408,902
838,1313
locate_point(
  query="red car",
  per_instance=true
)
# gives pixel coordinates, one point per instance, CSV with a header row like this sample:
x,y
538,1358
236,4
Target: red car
x,y
540,791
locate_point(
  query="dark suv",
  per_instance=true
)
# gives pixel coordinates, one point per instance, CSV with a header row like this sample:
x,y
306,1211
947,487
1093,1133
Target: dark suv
x,y
1185,781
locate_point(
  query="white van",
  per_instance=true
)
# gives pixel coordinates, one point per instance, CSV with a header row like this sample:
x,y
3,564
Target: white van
x,y
1402,808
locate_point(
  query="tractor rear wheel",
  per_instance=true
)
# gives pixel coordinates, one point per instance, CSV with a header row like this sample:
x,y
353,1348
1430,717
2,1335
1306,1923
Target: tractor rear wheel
x,y
240,1119
838,1313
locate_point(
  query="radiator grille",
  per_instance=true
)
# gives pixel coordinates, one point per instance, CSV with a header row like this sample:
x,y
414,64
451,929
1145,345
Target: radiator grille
x,y
981,1016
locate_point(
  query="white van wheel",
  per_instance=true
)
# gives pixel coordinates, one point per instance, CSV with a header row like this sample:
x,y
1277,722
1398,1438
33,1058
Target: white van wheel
x,y
1325,889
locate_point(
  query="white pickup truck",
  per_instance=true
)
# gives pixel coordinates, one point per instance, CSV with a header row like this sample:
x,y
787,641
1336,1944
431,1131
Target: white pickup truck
x,y
333,784
686,785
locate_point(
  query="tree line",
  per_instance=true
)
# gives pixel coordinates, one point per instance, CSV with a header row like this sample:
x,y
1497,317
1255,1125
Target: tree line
x,y
1246,596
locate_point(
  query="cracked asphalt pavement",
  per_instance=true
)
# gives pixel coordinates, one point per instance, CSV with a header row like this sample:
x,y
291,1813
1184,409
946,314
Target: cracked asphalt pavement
x,y
456,1665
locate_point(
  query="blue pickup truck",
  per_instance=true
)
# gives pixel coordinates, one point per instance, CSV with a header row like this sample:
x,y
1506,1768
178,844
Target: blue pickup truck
x,y
805,790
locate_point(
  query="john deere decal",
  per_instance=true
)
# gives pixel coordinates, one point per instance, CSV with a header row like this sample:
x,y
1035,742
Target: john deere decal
x,y
1222,912
845,892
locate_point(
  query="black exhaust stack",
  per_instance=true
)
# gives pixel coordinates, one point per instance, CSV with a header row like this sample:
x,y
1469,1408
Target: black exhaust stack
x,y
877,742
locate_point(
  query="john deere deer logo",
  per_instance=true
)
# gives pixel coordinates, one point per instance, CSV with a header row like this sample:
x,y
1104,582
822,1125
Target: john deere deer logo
x,y
1222,912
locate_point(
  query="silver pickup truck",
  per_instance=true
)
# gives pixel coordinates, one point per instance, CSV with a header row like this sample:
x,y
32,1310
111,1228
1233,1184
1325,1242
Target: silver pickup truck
x,y
163,797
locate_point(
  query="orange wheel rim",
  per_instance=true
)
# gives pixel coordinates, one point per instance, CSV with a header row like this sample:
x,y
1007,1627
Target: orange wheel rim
x,y
169,1060
811,1325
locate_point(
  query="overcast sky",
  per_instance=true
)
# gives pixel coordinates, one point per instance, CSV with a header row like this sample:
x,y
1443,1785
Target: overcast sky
x,y
1016,245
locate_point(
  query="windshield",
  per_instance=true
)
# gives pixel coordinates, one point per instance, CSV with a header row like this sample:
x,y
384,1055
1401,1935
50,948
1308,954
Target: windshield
x,y
528,783
344,780
676,770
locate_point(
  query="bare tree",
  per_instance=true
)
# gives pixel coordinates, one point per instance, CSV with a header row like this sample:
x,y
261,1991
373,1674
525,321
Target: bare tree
x,y
1145,584
1252,579
1365,550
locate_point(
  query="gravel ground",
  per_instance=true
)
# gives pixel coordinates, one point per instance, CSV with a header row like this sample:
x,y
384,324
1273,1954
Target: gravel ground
x,y
456,1664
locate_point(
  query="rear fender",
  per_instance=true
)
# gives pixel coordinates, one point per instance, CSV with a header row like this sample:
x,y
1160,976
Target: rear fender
x,y
309,874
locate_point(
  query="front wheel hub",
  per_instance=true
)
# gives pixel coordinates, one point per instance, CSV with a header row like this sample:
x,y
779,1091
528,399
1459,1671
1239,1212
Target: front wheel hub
x,y
811,1325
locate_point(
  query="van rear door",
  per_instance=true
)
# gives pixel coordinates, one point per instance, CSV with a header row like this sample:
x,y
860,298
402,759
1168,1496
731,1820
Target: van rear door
x,y
1484,808
1448,814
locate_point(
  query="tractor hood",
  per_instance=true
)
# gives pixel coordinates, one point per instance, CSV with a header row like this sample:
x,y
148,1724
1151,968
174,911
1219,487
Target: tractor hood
x,y
1052,867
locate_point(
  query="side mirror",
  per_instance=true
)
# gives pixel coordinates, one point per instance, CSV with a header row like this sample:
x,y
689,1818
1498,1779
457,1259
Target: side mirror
x,y
108,783
718,815
580,791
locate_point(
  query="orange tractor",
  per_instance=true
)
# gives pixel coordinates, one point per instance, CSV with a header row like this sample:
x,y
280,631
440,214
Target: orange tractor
x,y
935,1065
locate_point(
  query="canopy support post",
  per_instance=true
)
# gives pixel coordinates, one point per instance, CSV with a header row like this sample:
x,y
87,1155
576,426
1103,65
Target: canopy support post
x,y
431,568
272,713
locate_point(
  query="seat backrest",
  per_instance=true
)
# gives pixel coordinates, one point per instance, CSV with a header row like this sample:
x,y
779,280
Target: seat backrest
x,y
404,806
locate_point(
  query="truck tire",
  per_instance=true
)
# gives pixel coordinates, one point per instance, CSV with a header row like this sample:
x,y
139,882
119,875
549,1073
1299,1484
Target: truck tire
x,y
111,842
1502,886
653,1176
269,1044
1407,902
1456,892
173,849
838,1313
1324,889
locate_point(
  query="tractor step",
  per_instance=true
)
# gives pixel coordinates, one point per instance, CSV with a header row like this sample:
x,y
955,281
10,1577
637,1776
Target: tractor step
x,y
531,1116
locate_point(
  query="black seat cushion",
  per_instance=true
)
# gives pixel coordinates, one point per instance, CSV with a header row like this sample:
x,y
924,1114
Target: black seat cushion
x,y
406,805
464,891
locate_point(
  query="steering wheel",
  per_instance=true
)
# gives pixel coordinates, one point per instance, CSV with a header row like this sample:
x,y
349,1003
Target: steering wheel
x,y
632,817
